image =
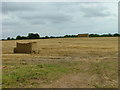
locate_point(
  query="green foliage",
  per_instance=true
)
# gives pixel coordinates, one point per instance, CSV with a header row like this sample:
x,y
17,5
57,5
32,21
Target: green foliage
x,y
104,35
116,35
8,38
70,36
25,74
18,37
46,37
12,39
36,36
94,35
30,36
33,36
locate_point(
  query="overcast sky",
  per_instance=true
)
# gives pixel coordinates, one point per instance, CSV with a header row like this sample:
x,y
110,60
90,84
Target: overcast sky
x,y
58,19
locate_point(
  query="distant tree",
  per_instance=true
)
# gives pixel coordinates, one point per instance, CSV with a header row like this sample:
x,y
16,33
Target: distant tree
x,y
33,36
3,39
94,35
18,37
52,37
70,36
12,39
23,37
8,38
66,36
110,35
106,35
116,35
46,37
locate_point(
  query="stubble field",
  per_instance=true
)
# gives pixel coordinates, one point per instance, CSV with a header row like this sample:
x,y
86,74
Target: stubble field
x,y
62,63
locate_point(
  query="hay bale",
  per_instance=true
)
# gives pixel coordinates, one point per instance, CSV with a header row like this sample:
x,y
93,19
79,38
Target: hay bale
x,y
26,47
83,35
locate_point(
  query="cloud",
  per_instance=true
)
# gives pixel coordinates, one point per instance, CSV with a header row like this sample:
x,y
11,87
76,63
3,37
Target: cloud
x,y
58,18
95,10
16,7
47,18
35,13
93,13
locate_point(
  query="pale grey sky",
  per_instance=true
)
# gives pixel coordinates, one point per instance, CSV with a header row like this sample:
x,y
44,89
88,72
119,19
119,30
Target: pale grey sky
x,y
58,19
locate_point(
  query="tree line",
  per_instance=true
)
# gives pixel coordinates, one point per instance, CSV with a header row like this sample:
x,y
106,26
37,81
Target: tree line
x,y
37,36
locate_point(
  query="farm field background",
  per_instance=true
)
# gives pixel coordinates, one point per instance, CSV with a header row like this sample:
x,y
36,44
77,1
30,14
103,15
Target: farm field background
x,y
62,63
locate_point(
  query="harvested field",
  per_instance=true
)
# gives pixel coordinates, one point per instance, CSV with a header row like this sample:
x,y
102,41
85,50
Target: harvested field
x,y
62,63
